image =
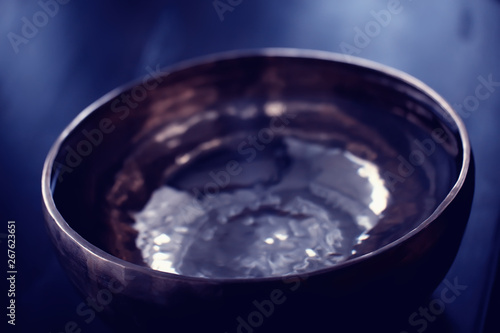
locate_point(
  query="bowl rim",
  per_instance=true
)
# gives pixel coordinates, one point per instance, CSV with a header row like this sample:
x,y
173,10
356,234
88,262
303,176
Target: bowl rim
x,y
50,208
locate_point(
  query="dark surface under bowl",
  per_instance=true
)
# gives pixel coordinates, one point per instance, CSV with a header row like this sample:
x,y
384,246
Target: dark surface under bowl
x,y
371,111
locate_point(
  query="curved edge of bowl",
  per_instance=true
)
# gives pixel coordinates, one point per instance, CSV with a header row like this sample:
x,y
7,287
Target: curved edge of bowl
x,y
52,213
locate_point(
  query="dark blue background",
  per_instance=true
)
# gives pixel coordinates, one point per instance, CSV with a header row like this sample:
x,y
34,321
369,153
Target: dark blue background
x,y
88,48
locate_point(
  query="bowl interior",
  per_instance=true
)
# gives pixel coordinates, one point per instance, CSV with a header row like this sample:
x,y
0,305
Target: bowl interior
x,y
256,166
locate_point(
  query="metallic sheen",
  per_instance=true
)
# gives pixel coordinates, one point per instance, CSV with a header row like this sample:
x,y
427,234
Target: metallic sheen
x,y
410,195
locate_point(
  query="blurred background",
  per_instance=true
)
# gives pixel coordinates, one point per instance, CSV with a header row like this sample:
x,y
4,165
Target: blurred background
x,y
58,56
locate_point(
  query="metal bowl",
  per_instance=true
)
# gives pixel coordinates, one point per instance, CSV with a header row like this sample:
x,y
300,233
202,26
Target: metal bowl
x,y
409,197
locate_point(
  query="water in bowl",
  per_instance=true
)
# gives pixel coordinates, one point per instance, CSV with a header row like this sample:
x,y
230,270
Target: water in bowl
x,y
274,209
